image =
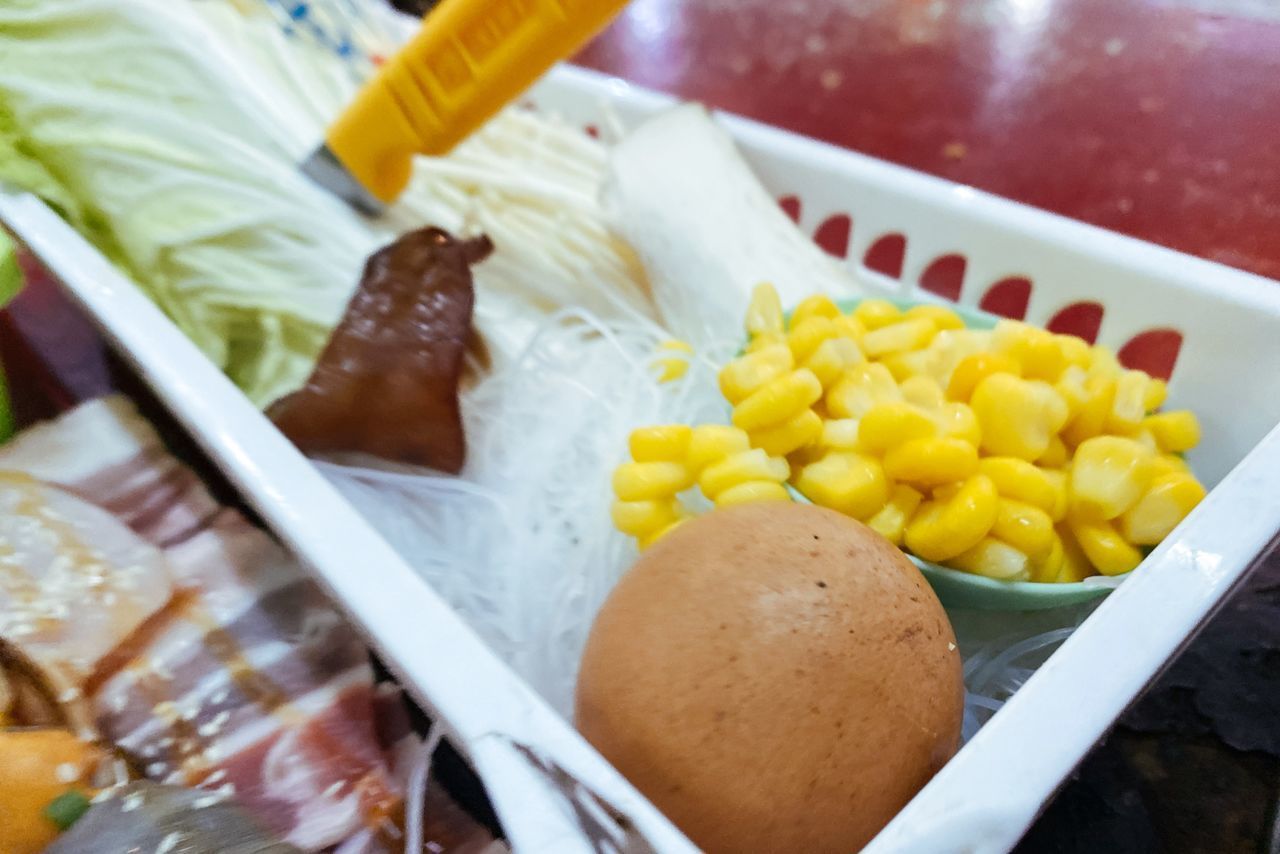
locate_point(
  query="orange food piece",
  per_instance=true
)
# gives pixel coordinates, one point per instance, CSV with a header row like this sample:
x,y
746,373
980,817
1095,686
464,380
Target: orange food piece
x,y
36,766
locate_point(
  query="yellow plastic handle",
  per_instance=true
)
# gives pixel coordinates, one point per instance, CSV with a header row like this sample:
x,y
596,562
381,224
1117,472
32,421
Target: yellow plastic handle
x,y
471,58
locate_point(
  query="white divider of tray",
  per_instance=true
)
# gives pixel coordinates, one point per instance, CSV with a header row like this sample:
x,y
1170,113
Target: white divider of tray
x,y
487,711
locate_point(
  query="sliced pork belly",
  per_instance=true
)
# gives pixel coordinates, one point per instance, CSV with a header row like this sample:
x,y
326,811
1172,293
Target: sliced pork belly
x,y
74,581
215,662
254,686
105,452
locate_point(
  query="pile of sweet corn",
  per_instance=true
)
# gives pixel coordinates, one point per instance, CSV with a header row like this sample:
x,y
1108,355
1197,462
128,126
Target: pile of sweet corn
x,y
1013,453
670,459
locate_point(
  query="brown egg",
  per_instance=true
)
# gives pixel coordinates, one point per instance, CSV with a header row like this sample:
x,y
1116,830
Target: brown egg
x,y
774,677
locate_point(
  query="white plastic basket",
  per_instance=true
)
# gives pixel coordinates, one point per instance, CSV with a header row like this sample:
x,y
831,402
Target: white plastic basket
x,y
1226,322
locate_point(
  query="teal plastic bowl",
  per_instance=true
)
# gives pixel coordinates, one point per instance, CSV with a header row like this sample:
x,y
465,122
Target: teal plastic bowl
x,y
958,589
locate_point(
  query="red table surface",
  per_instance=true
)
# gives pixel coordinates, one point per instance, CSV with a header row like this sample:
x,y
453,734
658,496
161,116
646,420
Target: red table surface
x,y
1156,118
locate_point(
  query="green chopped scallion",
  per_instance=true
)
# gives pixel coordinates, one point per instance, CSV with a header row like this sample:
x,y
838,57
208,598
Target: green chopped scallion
x,y
66,809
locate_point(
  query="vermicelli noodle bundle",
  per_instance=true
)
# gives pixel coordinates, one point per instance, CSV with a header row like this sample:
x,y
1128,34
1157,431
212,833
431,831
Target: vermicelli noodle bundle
x,y
522,543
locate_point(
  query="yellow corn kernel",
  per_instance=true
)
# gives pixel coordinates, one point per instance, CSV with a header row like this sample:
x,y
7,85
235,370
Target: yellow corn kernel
x,y
966,342
1166,503
673,367
640,518
942,529
1075,351
1075,563
1162,464
1025,527
874,313
1103,363
711,443
1021,481
899,337
942,317
931,462
753,492
1154,395
645,481
848,326
863,387
1059,479
1108,475
665,443
975,368
923,391
746,374
1175,431
1018,417
950,347
818,305
889,424
1147,439
742,467
840,434
645,542
804,338
1105,548
789,436
908,364
1072,385
1056,455
993,559
1037,351
1047,568
1090,417
891,520
957,421
1043,358
832,359
1011,336
764,312
852,483
1128,408
778,401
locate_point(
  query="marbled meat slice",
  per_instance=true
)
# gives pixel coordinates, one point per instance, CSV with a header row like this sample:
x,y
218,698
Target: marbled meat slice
x,y
235,672
255,687
74,581
123,468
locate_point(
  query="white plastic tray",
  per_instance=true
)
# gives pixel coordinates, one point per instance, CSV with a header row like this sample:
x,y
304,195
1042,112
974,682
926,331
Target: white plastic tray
x,y
1229,323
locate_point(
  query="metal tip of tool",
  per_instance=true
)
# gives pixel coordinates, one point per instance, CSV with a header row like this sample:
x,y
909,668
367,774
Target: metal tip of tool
x,y
326,170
